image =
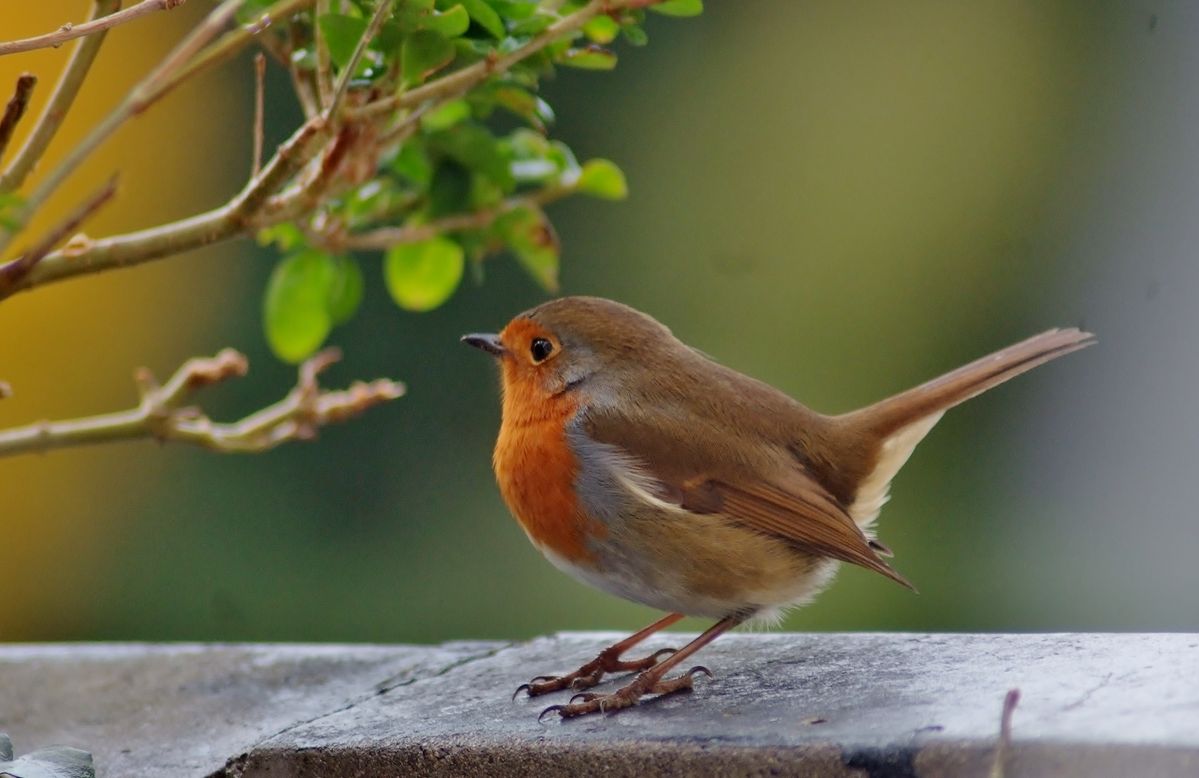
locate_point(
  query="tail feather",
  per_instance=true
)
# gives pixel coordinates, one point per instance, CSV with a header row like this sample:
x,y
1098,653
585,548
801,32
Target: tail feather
x,y
891,429
940,394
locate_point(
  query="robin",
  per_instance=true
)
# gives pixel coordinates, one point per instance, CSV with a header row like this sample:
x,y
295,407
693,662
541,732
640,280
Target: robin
x,y
640,466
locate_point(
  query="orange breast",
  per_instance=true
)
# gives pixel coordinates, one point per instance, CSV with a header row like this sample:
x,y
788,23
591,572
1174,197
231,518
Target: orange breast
x,y
536,472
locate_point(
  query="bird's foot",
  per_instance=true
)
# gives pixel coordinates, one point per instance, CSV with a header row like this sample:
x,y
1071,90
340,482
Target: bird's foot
x,y
590,674
647,683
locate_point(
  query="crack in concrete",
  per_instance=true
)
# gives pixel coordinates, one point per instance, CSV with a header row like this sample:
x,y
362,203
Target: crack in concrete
x,y
234,764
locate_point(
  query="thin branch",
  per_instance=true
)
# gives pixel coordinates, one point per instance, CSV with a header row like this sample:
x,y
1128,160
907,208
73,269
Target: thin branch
x,y
60,103
324,64
162,416
232,42
240,216
459,81
16,108
71,31
150,89
12,272
259,89
346,75
303,82
385,237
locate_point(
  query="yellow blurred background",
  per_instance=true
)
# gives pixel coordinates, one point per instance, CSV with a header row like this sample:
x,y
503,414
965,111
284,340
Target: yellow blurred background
x,y
840,199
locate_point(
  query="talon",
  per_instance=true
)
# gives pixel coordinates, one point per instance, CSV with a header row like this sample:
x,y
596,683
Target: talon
x,y
583,697
524,687
700,669
551,709
542,678
656,656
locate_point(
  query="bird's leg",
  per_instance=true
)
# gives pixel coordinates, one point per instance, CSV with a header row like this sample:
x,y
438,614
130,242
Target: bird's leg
x,y
608,661
651,681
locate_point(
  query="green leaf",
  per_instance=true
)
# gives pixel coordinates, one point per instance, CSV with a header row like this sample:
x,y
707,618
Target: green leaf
x,y
526,105
449,191
634,34
446,116
345,291
413,163
602,178
532,239
601,29
53,762
679,8
474,147
589,58
485,16
342,34
533,25
296,309
422,276
449,24
424,53
285,235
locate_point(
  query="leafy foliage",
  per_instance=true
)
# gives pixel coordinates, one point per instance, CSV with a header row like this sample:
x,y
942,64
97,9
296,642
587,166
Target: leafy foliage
x,y
54,762
469,174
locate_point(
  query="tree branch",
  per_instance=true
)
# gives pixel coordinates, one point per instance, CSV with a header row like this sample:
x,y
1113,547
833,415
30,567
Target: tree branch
x,y
161,415
385,237
60,103
259,89
148,90
12,272
71,31
241,215
346,75
16,108
459,81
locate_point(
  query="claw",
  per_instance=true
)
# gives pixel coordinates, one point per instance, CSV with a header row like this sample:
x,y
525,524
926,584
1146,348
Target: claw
x,y
700,669
551,709
539,678
524,687
657,655
583,697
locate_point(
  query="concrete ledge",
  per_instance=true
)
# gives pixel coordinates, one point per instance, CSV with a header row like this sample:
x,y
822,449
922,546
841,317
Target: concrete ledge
x,y
782,704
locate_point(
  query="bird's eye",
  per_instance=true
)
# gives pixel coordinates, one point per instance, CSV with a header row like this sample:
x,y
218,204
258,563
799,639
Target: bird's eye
x,y
540,348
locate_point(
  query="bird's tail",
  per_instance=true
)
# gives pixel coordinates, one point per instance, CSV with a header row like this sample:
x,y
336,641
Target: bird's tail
x,y
886,433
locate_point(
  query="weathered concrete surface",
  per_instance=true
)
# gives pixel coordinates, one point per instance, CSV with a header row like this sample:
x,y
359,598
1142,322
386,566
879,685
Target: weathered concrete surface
x,y
830,704
183,710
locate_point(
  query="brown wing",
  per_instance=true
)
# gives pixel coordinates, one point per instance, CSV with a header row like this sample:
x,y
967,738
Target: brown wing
x,y
804,514
710,468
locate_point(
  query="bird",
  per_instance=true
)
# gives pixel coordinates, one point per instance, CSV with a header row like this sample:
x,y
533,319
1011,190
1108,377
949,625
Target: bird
x,y
642,467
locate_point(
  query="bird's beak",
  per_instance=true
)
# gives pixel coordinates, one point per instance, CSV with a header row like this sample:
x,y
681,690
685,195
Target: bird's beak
x,y
485,341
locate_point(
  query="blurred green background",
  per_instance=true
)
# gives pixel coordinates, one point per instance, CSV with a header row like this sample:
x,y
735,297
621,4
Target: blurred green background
x,y
841,199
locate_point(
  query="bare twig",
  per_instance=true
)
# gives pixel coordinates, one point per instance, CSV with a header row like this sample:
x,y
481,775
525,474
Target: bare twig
x,y
346,75
324,65
303,82
71,31
1004,746
12,272
259,79
59,104
161,414
232,42
150,89
16,108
